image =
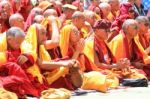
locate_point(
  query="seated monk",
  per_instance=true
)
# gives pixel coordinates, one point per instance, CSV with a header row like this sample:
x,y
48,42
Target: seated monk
x,y
72,45
143,43
59,74
125,45
13,64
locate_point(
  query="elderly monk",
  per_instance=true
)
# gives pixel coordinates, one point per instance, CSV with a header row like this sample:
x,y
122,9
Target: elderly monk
x,y
5,12
105,10
50,12
17,20
126,46
143,44
13,64
59,74
78,20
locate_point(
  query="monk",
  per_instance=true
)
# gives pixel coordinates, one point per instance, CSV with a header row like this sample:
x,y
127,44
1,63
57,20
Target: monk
x,y
49,12
13,64
125,44
78,20
61,74
143,44
5,12
105,10
17,20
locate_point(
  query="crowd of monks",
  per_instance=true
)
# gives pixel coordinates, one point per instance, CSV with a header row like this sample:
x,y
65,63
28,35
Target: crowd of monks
x,y
59,44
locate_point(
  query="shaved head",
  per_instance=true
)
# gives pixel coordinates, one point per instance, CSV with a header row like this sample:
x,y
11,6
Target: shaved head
x,y
77,14
50,12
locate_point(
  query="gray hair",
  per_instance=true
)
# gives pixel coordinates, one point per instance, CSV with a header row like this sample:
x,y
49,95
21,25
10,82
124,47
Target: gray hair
x,y
127,23
142,18
77,14
15,32
14,17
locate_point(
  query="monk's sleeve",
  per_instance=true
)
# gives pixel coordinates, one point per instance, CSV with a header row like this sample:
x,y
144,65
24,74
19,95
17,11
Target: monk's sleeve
x,y
29,62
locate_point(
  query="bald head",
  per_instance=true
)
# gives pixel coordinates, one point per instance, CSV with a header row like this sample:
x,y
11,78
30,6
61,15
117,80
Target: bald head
x,y
16,20
142,19
127,23
104,5
50,12
38,19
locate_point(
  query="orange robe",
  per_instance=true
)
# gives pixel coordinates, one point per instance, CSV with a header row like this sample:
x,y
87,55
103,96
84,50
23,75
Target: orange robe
x,y
120,48
142,56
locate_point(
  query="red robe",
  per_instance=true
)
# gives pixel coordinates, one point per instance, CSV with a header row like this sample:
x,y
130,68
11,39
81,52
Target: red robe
x,y
34,87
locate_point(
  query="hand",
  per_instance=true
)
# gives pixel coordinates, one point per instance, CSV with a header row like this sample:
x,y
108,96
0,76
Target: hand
x,y
80,45
75,67
123,63
22,59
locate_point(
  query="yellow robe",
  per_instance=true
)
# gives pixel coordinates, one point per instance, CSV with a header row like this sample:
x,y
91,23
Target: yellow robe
x,y
30,44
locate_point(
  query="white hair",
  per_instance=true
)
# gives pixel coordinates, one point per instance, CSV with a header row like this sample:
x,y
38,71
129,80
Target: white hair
x,y
127,23
14,17
104,5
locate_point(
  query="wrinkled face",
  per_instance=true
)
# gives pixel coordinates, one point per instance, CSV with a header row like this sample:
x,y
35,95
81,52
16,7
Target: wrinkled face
x,y
19,22
41,35
5,11
132,30
102,33
74,36
144,26
15,42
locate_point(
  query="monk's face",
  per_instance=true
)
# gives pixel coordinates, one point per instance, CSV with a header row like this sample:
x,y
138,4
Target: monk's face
x,y
102,33
132,30
80,21
5,11
91,20
41,35
144,26
15,42
19,22
74,36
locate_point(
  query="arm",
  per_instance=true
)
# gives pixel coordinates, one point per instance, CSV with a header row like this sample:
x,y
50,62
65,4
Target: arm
x,y
49,65
54,42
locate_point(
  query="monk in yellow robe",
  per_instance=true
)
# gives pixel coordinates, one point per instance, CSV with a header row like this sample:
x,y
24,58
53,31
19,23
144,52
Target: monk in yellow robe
x,y
55,72
123,46
143,44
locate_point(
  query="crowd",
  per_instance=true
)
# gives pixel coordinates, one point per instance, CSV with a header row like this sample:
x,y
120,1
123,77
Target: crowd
x,y
71,44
